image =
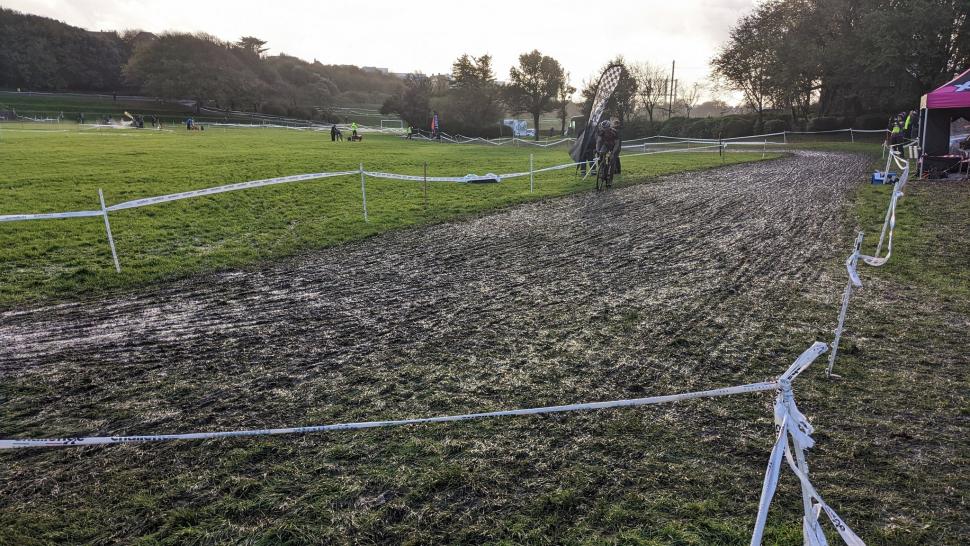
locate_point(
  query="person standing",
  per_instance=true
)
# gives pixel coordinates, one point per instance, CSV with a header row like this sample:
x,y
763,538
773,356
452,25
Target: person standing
x,y
353,130
435,133
333,133
410,132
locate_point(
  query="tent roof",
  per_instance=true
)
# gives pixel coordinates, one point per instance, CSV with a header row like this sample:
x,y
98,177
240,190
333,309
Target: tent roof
x,y
954,94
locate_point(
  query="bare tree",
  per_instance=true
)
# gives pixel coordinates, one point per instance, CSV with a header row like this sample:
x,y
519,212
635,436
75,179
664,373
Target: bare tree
x,y
691,98
651,87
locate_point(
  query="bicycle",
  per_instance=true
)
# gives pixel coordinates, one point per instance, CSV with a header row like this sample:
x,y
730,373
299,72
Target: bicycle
x,y
604,171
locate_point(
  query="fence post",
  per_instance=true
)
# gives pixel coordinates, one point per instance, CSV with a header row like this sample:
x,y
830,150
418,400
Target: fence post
x,y
425,185
363,191
853,260
765,149
852,135
784,136
532,177
107,227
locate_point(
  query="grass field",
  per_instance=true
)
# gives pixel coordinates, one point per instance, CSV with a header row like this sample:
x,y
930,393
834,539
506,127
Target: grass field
x,y
91,105
58,170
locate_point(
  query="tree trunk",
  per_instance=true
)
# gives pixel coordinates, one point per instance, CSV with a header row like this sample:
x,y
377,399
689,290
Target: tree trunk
x,y
535,117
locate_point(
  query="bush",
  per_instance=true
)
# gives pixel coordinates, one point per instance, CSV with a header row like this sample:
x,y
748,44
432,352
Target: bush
x,y
823,123
735,126
675,126
776,126
701,128
640,127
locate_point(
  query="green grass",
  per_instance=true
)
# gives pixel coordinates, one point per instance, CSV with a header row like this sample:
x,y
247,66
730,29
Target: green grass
x,y
50,171
70,105
926,252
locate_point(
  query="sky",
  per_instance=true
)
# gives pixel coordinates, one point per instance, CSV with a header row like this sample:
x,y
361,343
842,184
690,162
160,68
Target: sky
x,y
428,35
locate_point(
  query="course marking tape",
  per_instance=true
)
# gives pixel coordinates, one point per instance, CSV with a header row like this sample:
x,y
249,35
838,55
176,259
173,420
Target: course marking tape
x,y
101,440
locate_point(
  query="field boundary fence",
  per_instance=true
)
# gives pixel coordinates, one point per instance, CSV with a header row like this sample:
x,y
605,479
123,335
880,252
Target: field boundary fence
x,y
794,432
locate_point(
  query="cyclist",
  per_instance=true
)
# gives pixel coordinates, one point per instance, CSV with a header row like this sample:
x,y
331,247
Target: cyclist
x,y
608,140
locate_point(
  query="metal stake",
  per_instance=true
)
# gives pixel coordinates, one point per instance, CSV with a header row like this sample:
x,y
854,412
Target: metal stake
x,y
107,227
363,191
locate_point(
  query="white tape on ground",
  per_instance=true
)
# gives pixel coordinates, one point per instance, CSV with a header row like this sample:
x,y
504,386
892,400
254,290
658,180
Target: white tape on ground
x,y
222,189
101,440
49,215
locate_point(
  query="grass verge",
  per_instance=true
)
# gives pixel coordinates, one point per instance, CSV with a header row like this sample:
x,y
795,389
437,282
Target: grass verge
x,y
50,170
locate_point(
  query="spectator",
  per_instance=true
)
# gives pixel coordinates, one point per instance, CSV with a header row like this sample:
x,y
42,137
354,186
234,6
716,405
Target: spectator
x,y
353,130
333,133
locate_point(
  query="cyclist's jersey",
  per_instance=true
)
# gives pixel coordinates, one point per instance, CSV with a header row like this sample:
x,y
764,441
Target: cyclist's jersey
x,y
606,140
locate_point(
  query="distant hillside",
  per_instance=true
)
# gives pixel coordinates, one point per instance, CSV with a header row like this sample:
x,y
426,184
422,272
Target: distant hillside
x,y
42,54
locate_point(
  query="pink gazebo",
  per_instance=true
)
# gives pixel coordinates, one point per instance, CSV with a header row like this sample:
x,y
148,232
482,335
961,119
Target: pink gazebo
x,y
938,109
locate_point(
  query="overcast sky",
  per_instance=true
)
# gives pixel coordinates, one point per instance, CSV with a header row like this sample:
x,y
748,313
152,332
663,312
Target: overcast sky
x,y
407,36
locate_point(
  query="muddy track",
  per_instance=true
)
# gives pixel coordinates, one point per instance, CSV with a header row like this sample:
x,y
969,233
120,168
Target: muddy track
x,y
497,308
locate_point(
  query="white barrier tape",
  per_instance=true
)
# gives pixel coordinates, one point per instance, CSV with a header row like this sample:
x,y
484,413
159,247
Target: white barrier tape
x,y
769,485
850,266
890,224
854,281
793,425
303,177
49,215
877,261
459,179
803,361
817,538
101,440
222,189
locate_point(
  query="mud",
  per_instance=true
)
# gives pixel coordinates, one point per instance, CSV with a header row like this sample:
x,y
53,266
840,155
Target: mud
x,y
657,287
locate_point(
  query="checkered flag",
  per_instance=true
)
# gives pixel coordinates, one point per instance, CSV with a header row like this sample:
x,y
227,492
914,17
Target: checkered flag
x,y
582,148
604,90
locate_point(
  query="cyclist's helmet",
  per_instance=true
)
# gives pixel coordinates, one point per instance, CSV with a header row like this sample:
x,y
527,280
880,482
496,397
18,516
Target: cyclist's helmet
x,y
605,125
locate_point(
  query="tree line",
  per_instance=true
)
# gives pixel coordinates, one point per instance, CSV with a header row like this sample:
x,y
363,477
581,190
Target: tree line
x,y
42,54
797,64
797,60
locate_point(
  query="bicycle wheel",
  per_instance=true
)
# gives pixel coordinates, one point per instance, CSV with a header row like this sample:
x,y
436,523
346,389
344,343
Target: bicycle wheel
x,y
600,177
